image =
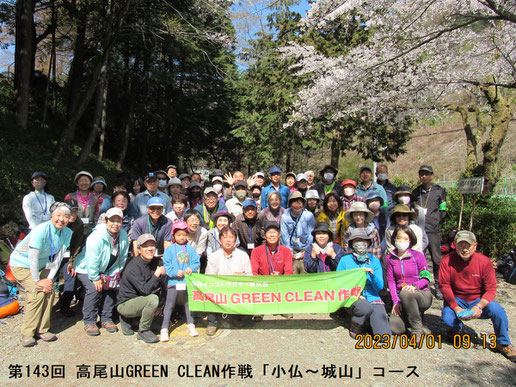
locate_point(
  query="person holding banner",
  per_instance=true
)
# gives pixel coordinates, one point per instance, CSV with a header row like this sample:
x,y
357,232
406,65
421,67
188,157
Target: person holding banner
x,y
226,261
323,255
369,308
296,227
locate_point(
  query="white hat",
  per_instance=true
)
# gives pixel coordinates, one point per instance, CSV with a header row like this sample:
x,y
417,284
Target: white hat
x,y
114,211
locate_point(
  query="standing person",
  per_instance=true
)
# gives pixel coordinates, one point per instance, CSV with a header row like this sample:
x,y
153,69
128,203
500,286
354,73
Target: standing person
x,y
218,185
185,182
221,219
381,220
98,186
140,289
401,216
234,205
195,194
256,193
404,196
329,182
349,195
249,227
275,185
313,202
367,186
174,187
210,206
311,177
290,181
369,307
432,199
333,215
137,187
274,211
302,183
34,263
359,216
89,207
99,271
382,178
296,228
323,255
162,180
151,183
226,261
259,179
180,259
468,284
68,264
171,171
154,223
36,205
408,278
179,205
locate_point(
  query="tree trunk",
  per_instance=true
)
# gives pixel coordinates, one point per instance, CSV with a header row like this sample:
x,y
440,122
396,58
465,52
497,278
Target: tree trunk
x,y
23,60
335,149
97,118
471,137
77,67
502,110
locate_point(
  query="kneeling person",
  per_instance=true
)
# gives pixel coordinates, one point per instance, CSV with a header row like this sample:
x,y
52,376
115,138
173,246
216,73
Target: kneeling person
x,y
143,279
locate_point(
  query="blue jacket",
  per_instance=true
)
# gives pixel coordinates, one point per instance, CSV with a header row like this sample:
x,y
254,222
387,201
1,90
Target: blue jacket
x,y
175,259
317,265
98,253
283,190
374,282
131,208
374,187
303,230
140,202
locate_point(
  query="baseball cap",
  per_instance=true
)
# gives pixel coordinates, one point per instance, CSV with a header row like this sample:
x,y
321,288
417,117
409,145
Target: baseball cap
x,y
271,224
195,184
82,173
210,190
349,182
217,178
150,176
466,236
366,168
301,176
114,211
426,168
39,174
249,203
156,201
184,176
72,203
259,174
240,184
145,238
274,170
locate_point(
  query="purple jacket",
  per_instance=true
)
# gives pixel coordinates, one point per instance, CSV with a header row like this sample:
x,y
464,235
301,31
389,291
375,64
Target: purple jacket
x,y
405,270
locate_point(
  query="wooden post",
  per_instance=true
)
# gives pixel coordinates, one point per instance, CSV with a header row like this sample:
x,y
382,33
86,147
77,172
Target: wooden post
x,y
472,213
461,210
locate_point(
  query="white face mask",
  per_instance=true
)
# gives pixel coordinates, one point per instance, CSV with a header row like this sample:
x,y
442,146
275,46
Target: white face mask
x,y
328,176
348,191
404,200
217,187
162,184
373,206
382,176
402,246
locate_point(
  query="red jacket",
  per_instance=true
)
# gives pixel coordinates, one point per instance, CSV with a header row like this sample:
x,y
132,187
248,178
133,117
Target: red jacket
x,y
467,280
281,261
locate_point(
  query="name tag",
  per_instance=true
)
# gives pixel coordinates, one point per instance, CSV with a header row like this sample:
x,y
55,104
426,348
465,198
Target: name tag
x,y
85,220
296,240
51,265
250,246
425,210
180,286
156,253
67,254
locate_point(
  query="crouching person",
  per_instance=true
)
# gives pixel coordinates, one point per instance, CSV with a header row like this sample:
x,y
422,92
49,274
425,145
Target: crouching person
x,y
141,284
468,283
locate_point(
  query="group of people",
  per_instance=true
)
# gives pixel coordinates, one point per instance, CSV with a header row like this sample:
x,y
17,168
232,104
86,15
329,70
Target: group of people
x,y
131,250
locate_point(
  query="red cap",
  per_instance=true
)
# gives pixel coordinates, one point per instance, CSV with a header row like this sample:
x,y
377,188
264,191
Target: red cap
x,y
349,182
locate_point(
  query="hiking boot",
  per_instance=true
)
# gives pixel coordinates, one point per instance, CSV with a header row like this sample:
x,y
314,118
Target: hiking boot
x,y
191,329
110,326
148,336
354,329
91,329
509,351
211,330
163,335
125,324
47,336
28,341
418,336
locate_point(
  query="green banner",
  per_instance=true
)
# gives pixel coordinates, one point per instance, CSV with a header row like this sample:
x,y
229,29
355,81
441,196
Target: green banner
x,y
271,294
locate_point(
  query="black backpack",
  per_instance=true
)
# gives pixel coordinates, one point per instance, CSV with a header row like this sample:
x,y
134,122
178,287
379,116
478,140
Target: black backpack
x,y
507,266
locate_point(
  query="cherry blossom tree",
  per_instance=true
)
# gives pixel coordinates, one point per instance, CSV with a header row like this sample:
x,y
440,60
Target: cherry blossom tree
x,y
422,57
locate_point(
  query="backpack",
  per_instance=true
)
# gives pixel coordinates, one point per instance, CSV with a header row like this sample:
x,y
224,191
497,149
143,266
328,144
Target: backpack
x,y
507,266
8,297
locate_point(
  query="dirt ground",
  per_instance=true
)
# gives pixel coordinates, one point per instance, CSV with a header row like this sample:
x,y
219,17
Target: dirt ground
x,y
306,350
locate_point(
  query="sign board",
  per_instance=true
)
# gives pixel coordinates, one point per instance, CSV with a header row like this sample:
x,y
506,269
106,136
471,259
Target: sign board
x,y
472,185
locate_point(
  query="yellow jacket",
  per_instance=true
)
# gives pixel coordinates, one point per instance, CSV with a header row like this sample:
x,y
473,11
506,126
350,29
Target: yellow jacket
x,y
342,224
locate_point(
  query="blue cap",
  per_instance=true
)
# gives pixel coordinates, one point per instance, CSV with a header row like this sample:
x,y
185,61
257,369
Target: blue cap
x,y
156,201
249,203
274,170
